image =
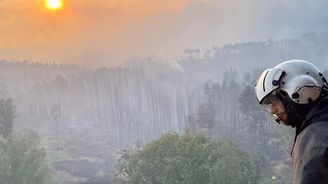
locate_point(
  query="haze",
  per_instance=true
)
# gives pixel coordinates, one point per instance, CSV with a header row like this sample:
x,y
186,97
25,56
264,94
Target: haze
x,y
108,32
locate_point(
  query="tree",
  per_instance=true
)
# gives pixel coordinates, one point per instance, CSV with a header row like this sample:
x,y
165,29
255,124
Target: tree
x,y
205,117
255,118
191,125
187,159
206,114
7,116
249,106
55,113
23,160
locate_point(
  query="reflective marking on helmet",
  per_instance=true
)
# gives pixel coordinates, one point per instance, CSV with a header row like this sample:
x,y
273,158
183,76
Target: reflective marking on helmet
x,y
264,80
264,84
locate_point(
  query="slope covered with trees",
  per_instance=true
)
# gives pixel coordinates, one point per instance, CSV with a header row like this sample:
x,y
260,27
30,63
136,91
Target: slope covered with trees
x,y
86,116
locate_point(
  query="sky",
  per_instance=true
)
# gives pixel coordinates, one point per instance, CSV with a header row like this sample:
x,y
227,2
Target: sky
x,y
107,32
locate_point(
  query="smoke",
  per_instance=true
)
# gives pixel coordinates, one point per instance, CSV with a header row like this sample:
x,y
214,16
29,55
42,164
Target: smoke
x,y
109,32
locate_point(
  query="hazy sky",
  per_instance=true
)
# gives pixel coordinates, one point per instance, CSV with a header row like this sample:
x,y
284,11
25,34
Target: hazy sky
x,y
108,31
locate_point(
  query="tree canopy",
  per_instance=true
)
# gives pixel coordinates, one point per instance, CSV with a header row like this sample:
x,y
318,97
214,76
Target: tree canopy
x,y
7,116
187,159
23,160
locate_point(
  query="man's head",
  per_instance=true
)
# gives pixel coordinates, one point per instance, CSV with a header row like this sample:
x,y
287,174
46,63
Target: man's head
x,y
289,90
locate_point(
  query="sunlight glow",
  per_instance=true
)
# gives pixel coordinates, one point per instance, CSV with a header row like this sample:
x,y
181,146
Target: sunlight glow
x,y
54,4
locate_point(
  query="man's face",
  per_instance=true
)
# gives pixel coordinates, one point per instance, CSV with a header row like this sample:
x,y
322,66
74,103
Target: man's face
x,y
278,111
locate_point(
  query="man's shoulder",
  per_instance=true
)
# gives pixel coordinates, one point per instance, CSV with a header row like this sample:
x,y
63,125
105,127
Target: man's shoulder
x,y
310,154
317,131
313,138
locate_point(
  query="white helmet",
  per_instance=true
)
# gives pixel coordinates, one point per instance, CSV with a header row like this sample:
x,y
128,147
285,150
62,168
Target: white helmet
x,y
301,80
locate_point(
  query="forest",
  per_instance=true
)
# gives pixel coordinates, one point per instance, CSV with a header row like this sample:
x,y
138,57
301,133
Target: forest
x,y
150,120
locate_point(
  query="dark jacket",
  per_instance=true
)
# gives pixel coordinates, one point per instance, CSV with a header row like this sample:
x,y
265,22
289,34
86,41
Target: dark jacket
x,y
310,150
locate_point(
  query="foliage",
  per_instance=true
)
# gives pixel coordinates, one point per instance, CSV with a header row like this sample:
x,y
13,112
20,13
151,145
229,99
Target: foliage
x,y
23,160
187,159
255,120
191,125
249,106
279,143
205,117
7,116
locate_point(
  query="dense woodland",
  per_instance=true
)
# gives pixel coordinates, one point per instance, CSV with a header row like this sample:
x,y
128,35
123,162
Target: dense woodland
x,y
85,117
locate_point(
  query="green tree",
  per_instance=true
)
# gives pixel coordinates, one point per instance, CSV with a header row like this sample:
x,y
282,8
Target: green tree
x,y
187,159
23,160
7,116
191,125
205,117
249,106
255,118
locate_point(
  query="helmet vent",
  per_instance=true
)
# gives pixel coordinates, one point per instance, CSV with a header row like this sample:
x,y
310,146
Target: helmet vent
x,y
275,83
295,95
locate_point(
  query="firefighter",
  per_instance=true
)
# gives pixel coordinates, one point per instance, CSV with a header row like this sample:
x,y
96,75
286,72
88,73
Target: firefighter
x,y
295,92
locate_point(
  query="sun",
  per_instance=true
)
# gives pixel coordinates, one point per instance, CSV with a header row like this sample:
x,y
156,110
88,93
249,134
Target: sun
x,y
54,4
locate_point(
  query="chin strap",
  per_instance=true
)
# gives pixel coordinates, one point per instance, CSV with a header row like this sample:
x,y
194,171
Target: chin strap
x,y
278,120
